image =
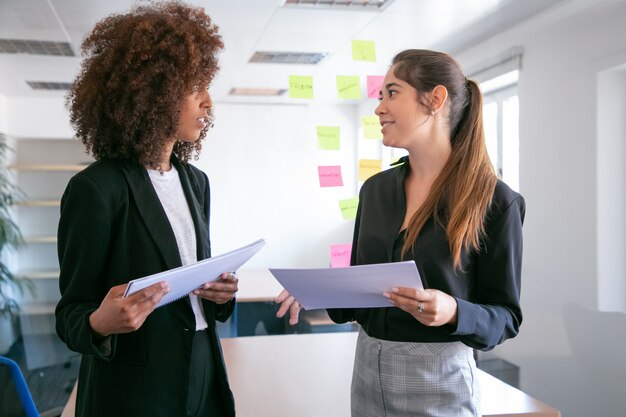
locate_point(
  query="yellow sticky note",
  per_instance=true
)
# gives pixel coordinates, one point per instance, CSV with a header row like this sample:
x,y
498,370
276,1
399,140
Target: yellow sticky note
x,y
369,167
349,87
300,86
371,127
364,51
328,137
348,207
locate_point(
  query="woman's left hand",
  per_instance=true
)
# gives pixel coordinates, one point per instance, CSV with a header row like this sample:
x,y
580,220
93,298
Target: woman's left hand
x,y
430,307
221,291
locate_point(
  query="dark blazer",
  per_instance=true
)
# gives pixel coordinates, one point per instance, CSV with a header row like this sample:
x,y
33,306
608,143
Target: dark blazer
x,y
486,287
113,229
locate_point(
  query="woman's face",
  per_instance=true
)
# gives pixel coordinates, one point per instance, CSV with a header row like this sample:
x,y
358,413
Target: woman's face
x,y
401,115
195,115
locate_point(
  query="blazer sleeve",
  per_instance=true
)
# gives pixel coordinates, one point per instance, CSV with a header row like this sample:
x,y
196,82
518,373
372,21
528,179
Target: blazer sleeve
x,y
494,314
84,234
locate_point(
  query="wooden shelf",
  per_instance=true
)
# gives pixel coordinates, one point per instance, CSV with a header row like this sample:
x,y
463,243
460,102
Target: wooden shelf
x,y
39,203
40,239
37,274
47,167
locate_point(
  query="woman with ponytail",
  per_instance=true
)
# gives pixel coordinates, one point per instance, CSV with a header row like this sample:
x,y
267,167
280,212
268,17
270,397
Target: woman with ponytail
x,y
443,207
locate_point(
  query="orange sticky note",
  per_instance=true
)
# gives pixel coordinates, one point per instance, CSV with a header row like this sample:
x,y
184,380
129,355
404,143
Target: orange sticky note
x,y
369,167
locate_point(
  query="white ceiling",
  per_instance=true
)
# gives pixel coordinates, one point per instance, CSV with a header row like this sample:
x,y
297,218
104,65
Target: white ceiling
x,y
266,25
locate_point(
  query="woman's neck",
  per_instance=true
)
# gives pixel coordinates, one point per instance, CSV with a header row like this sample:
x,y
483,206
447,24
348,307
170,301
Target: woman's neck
x,y
165,163
427,160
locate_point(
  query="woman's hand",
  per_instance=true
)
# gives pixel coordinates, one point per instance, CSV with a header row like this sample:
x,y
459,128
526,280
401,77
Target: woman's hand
x,y
288,303
119,314
221,291
429,307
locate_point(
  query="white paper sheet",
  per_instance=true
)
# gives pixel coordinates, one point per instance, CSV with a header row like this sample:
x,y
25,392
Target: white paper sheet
x,y
187,278
352,287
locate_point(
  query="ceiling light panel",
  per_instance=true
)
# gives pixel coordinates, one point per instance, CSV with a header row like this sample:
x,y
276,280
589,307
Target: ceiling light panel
x,y
349,4
49,85
267,57
266,92
35,47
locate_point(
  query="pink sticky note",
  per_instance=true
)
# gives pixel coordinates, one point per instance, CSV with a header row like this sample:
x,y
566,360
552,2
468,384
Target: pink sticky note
x,y
340,255
374,85
330,176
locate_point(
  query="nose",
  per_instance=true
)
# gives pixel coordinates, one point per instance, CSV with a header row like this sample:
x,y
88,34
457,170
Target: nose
x,y
380,109
205,99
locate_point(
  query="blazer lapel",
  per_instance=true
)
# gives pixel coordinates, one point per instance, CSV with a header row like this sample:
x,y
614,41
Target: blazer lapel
x,y
152,213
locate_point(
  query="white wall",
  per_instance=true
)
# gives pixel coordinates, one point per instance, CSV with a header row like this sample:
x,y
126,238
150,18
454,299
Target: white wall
x,y
262,163
40,117
563,53
612,189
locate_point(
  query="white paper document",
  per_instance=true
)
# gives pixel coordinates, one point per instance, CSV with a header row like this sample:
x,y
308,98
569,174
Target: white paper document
x,y
185,279
359,286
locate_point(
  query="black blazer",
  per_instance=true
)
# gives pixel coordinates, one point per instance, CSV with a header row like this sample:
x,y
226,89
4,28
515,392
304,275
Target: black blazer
x,y
113,229
486,287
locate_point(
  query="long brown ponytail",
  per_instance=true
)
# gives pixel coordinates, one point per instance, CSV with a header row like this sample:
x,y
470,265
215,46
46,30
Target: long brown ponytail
x,y
465,186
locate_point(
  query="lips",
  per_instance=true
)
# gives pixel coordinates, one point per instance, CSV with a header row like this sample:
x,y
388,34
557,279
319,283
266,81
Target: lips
x,y
384,124
203,121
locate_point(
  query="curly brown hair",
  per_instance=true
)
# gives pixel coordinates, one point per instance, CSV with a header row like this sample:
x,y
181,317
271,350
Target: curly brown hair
x,y
137,68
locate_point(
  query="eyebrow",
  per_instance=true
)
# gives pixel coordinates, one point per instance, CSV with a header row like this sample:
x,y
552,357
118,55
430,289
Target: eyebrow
x,y
389,85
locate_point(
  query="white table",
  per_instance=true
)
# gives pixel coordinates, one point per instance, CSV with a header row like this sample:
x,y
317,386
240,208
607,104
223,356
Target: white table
x,y
309,375
257,285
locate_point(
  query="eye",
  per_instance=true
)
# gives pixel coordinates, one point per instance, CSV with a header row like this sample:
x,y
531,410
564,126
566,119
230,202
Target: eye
x,y
392,93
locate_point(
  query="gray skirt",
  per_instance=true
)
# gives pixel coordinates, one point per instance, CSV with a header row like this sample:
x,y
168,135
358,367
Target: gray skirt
x,y
413,379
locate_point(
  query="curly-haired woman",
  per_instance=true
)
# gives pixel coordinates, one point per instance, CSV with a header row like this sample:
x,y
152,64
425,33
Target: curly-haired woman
x,y
140,106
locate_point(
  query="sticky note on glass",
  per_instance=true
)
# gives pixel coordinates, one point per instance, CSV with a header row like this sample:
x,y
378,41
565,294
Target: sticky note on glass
x,y
330,176
369,167
328,137
364,51
349,86
348,207
371,127
374,85
300,86
340,255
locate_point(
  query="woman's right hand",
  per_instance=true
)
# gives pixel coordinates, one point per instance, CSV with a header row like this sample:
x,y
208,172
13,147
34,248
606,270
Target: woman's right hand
x,y
119,314
288,303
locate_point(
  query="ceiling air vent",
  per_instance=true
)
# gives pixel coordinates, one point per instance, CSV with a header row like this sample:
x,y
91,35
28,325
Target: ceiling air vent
x,y
265,57
33,47
351,4
48,85
243,91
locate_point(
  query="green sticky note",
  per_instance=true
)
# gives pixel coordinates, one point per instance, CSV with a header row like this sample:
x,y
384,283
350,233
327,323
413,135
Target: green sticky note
x,y
371,127
364,51
348,207
300,86
328,137
349,86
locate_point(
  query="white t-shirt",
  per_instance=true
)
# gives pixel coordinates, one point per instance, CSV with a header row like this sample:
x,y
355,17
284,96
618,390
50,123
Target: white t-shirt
x,y
172,197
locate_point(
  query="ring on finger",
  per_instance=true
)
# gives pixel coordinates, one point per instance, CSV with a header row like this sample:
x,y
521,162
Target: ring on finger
x,y
420,307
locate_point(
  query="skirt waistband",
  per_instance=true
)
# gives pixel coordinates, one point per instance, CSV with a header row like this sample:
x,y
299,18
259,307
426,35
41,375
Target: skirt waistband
x,y
445,349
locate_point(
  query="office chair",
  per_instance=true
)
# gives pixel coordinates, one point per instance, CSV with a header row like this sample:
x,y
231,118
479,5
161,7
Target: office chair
x,y
15,398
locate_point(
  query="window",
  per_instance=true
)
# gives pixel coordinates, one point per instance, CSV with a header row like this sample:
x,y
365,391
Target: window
x,y
501,121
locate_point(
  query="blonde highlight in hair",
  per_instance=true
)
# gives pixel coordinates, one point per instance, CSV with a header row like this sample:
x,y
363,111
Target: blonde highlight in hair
x,y
464,188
